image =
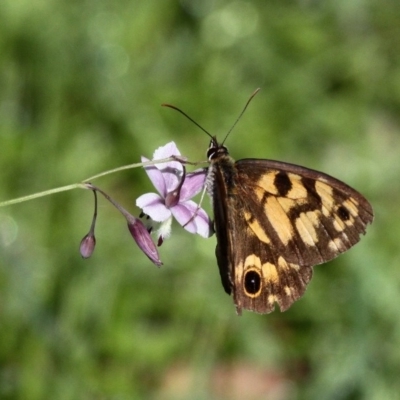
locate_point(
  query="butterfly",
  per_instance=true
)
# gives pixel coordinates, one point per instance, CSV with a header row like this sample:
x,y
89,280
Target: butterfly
x,y
274,221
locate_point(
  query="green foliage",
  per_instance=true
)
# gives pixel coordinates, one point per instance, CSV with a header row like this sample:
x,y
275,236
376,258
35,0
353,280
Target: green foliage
x,y
81,85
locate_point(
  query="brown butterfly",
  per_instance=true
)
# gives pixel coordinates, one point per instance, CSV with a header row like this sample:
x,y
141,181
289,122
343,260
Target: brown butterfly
x,y
274,221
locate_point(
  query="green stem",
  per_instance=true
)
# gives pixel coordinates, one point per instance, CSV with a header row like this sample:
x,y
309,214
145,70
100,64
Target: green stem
x,y
42,194
130,166
82,185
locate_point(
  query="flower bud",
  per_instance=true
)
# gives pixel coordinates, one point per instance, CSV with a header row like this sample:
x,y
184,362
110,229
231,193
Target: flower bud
x,y
87,245
143,239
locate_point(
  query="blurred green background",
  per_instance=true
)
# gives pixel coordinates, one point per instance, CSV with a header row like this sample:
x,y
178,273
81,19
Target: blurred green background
x,y
81,83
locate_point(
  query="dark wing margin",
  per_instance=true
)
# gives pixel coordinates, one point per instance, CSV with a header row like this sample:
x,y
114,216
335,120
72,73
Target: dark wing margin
x,y
295,218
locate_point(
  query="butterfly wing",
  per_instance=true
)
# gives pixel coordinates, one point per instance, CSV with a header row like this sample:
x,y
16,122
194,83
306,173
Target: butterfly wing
x,y
278,221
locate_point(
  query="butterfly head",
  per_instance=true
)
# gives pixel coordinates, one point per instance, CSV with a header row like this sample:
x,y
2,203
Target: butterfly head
x,y
215,149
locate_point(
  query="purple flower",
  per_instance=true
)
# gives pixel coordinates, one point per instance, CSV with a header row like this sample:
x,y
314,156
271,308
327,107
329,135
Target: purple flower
x,y
175,189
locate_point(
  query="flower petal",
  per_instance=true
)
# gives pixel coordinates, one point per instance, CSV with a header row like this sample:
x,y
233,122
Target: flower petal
x,y
156,177
164,230
165,176
200,224
172,171
203,224
166,151
153,205
194,183
172,174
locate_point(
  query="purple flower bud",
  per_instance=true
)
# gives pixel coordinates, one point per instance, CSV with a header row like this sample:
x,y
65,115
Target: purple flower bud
x,y
87,245
143,239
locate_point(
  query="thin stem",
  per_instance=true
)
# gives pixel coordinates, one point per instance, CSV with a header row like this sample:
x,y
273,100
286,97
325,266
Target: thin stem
x,y
82,185
130,166
121,209
42,194
94,214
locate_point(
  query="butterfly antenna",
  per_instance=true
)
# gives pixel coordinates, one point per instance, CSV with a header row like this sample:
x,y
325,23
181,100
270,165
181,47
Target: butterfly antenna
x,y
240,115
187,116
